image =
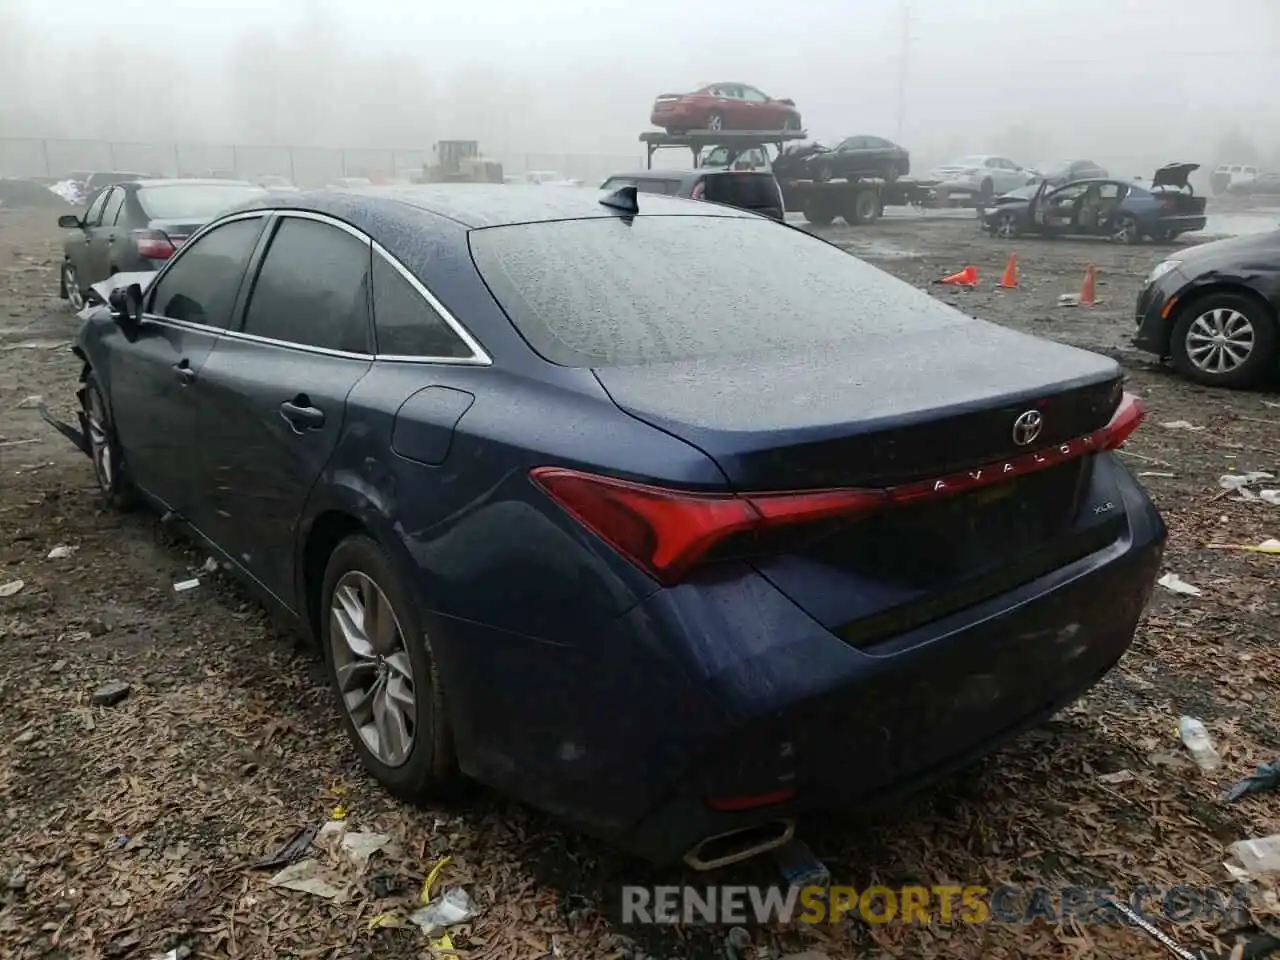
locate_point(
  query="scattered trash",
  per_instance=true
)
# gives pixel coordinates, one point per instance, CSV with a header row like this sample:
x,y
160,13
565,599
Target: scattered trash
x,y
60,552
1175,584
1241,484
1270,496
291,851
12,587
359,847
1119,776
445,945
1150,929
18,443
182,585
210,565
1265,777
309,876
25,737
1271,546
1199,744
736,943
1258,855
800,868
27,403
1068,300
339,813
1158,473
1181,425
453,908
110,693
425,896
388,920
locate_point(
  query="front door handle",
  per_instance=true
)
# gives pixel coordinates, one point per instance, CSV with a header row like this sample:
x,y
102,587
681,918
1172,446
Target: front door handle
x,y
186,373
300,415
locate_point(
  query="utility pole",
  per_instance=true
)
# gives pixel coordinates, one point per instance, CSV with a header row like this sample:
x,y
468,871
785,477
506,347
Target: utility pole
x,y
903,62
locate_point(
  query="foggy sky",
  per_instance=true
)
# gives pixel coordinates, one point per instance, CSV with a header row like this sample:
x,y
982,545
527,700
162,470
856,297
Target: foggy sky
x,y
1119,81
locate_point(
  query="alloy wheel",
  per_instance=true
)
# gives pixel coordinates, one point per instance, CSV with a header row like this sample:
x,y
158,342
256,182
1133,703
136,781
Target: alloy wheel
x,y
74,296
1007,227
1220,340
100,440
1126,230
373,669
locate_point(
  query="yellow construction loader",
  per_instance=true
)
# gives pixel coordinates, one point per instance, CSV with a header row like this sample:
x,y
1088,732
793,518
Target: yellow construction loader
x,y
459,161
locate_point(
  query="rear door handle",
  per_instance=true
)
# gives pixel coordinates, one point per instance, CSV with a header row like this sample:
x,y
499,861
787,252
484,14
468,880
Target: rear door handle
x,y
185,371
300,415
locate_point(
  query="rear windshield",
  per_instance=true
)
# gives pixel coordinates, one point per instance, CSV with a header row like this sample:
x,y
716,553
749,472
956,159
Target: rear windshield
x,y
750,190
605,292
196,201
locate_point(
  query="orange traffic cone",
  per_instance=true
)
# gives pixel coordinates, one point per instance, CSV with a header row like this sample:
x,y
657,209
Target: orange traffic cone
x,y
968,277
1010,279
1087,288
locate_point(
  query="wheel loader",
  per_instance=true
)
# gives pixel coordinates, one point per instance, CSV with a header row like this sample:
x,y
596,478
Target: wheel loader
x,y
459,161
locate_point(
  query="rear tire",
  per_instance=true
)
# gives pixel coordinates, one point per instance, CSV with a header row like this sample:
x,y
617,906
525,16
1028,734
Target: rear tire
x,y
1221,329
864,207
69,286
360,574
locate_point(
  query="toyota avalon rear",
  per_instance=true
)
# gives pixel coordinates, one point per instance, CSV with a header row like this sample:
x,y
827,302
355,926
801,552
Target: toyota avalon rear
x,y
911,539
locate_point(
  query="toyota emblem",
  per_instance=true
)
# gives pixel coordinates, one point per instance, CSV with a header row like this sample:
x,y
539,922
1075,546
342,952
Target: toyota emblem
x,y
1027,427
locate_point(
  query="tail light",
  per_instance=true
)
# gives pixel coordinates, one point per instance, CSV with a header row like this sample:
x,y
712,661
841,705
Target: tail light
x,y
155,245
668,532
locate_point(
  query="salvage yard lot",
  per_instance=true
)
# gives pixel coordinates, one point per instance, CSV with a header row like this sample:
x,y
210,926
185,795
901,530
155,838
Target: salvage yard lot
x,y
132,829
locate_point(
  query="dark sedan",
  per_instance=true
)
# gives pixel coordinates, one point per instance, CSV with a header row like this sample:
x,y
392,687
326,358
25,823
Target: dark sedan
x,y
611,501
855,157
1213,310
1125,212
137,225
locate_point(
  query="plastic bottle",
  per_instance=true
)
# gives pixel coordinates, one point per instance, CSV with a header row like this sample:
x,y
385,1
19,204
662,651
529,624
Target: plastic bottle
x,y
1199,744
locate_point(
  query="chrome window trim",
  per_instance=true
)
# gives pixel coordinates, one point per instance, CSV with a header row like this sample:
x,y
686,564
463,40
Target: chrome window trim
x,y
478,355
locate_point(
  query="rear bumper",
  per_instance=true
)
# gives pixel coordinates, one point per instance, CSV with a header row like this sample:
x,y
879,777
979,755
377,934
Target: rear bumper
x,y
724,688
1185,223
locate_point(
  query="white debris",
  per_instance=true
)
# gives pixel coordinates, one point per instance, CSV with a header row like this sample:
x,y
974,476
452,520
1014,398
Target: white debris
x,y
359,846
61,551
454,907
1258,855
12,587
28,403
1199,744
210,565
182,585
1158,473
308,876
1120,776
69,191
1175,584
1180,425
1238,481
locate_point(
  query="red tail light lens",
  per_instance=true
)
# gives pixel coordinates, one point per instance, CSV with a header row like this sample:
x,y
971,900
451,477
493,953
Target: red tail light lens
x,y
668,532
153,244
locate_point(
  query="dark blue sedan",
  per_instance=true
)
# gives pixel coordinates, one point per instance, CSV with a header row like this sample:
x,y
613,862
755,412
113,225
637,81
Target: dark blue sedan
x,y
666,518
1123,211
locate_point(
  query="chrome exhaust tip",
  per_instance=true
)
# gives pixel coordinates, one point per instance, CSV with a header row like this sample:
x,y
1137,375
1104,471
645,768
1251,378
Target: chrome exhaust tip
x,y
738,845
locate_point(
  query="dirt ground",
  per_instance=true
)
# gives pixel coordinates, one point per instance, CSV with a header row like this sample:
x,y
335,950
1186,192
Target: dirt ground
x,y
130,830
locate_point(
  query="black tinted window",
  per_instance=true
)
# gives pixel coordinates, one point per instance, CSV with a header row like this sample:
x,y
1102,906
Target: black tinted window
x,y
112,209
313,288
750,190
202,284
94,213
600,292
406,324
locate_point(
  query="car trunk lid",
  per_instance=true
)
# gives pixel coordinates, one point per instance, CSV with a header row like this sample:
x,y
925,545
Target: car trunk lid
x,y
987,501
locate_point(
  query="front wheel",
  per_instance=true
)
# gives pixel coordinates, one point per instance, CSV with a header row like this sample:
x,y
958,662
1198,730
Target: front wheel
x,y
1007,226
383,670
819,214
104,447
70,286
1224,340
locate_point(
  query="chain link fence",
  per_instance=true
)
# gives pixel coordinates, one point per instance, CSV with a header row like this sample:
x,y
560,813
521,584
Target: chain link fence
x,y
305,166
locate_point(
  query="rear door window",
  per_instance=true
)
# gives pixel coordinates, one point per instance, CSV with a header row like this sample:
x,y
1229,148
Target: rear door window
x,y
111,212
313,288
202,283
406,324
93,216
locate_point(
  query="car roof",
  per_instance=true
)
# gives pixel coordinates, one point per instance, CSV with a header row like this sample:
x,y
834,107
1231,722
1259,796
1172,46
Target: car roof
x,y
394,209
185,182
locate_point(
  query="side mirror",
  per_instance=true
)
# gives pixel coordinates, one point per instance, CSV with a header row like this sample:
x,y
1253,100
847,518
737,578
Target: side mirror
x,y
126,305
69,221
